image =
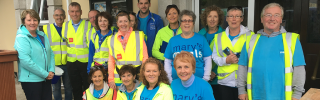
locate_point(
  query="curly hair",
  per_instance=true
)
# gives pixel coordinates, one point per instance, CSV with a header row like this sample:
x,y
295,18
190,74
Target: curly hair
x,y
207,11
163,74
94,69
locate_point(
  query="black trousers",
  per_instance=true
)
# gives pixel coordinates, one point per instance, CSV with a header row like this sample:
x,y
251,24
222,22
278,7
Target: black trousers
x,y
78,78
227,93
215,91
37,90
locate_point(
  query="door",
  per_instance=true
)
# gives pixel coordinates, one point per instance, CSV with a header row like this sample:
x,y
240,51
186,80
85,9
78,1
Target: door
x,y
310,40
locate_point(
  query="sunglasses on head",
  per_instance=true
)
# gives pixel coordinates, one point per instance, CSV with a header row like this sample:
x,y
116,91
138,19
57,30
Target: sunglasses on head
x,y
234,7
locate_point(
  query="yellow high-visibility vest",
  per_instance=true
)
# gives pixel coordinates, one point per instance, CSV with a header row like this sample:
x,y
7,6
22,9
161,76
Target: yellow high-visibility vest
x,y
58,45
108,96
132,55
222,41
101,54
77,42
289,43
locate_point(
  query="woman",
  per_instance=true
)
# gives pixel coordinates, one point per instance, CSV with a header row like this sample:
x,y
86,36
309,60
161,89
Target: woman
x,y
129,83
189,85
191,42
125,47
163,36
36,59
99,88
231,40
98,48
155,82
133,20
212,18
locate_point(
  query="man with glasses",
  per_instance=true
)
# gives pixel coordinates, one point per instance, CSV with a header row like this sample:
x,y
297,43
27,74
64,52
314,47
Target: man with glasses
x,y
149,23
272,62
59,48
226,50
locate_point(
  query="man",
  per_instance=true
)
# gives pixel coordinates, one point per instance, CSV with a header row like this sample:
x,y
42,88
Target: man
x,y
59,48
92,18
273,60
75,32
149,23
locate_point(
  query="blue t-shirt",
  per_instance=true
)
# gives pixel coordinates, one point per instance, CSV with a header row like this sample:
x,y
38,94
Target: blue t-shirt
x,y
199,90
148,94
197,45
129,94
268,77
59,29
143,24
97,93
232,37
40,41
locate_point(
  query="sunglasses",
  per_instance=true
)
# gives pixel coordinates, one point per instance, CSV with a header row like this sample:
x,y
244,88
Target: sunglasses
x,y
234,7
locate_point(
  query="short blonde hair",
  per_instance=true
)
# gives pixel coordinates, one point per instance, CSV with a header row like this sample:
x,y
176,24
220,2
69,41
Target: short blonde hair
x,y
185,57
32,13
272,5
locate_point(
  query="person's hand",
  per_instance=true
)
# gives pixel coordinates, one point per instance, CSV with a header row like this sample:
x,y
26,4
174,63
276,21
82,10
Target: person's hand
x,y
243,97
50,76
294,98
232,58
212,76
112,85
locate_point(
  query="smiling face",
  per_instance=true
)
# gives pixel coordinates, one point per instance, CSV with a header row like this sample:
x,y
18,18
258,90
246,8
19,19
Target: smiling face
x,y
184,70
92,17
272,23
127,79
75,13
103,23
132,20
187,24
172,16
212,19
97,78
152,73
143,6
59,17
31,23
123,23
234,22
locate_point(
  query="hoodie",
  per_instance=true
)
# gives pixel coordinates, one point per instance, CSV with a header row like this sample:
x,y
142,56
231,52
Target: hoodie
x,y
36,60
122,92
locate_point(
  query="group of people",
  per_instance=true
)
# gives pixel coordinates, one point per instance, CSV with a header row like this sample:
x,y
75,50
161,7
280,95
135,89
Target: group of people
x,y
141,59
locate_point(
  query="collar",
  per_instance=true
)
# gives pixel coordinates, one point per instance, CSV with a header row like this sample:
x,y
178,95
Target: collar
x,y
123,88
282,30
105,88
243,30
100,35
78,23
172,29
149,16
189,82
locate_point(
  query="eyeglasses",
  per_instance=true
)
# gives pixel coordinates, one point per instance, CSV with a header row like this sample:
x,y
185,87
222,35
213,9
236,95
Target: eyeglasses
x,y
186,21
57,15
270,15
237,17
234,7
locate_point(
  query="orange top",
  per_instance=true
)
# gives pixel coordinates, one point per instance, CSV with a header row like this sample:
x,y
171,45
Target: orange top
x,y
111,62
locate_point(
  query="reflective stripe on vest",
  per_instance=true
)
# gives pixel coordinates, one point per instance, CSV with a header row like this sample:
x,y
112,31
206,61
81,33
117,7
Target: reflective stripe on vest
x,y
101,54
57,44
124,61
108,96
222,41
77,47
289,42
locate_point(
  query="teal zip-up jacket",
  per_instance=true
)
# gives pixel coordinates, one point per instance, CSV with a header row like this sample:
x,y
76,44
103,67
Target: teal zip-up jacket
x,y
162,39
35,62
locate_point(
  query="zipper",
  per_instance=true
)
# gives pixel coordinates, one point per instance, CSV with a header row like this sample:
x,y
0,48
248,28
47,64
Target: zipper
x,y
45,62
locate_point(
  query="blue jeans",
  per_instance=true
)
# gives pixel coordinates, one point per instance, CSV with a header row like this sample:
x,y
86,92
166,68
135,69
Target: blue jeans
x,y
56,88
